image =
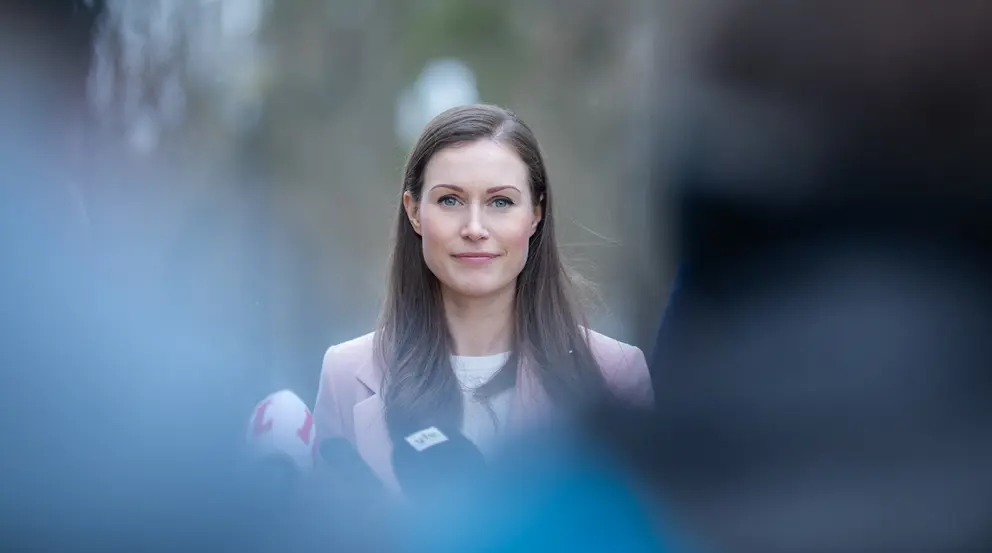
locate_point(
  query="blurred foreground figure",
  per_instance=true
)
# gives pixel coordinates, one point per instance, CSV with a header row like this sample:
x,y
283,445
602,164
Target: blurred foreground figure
x,y
122,419
825,382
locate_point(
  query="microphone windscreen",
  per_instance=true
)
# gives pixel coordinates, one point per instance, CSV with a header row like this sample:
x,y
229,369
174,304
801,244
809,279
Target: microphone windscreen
x,y
282,425
433,461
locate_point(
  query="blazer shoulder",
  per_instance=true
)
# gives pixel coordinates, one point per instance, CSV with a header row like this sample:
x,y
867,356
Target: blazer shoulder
x,y
623,365
343,384
610,351
356,347
350,360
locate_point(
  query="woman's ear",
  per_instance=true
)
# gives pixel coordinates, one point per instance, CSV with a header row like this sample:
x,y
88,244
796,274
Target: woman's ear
x,y
412,208
538,214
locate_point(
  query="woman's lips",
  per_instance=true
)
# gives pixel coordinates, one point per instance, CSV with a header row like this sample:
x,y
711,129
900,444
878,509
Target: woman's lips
x,y
475,258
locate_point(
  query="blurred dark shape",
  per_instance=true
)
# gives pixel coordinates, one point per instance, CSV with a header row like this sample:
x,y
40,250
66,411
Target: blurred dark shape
x,y
824,382
344,505
670,313
279,477
813,100
45,52
348,478
56,33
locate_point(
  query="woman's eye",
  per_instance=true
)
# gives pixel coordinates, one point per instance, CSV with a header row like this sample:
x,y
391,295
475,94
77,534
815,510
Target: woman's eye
x,y
501,203
448,201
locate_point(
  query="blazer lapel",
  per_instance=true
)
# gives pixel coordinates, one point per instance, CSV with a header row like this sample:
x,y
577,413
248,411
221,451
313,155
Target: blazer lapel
x,y
372,439
371,435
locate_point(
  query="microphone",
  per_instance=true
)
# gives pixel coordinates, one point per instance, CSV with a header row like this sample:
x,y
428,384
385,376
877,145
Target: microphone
x,y
351,475
281,435
433,461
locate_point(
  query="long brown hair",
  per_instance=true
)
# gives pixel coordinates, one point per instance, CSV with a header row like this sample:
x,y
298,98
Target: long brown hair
x,y
413,342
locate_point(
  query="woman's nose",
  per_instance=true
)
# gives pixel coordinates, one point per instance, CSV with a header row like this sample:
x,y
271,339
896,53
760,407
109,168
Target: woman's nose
x,y
475,228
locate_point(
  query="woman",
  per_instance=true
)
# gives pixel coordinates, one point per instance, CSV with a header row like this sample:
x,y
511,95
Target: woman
x,y
480,331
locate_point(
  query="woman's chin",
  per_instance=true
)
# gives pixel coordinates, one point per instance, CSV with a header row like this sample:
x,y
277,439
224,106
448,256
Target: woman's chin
x,y
475,291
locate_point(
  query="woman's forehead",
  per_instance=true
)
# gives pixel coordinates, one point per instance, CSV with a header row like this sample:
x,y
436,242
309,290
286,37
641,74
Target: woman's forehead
x,y
477,166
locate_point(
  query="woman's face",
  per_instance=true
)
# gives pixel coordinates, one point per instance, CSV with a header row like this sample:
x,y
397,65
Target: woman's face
x,y
475,216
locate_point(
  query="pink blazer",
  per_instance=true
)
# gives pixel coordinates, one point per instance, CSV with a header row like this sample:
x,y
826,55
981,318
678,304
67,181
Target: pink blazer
x,y
348,403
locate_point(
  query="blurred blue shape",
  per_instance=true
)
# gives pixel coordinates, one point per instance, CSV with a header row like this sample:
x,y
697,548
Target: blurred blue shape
x,y
548,493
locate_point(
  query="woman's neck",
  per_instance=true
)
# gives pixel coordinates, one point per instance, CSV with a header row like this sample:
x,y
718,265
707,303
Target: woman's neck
x,y
480,326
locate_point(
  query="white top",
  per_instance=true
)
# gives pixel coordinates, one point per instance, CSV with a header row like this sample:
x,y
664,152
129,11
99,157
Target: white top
x,y
483,420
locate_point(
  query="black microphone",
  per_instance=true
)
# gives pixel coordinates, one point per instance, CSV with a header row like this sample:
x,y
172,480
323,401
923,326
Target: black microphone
x,y
433,461
339,501
346,481
277,476
341,459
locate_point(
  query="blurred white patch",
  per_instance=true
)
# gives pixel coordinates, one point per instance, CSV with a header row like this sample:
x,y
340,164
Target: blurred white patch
x,y
443,84
240,18
143,133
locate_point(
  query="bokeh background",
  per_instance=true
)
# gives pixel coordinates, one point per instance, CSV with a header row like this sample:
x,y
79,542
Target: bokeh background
x,y
191,217
245,156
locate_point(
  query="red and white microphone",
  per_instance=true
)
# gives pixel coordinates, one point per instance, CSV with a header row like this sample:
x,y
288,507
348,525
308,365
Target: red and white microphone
x,y
282,428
